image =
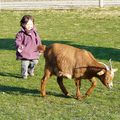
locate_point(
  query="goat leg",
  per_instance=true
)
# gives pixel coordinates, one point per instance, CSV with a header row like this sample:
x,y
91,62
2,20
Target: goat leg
x,y
90,90
61,85
44,81
78,85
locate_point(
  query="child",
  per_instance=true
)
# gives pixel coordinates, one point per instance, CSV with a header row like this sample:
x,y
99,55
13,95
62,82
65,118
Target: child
x,y
27,41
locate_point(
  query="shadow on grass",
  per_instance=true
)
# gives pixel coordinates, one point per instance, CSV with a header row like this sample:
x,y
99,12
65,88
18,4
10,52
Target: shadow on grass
x,y
25,91
58,94
17,90
10,75
102,52
98,52
7,44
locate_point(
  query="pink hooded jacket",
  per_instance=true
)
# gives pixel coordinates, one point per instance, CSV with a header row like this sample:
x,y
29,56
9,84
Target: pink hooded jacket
x,y
26,45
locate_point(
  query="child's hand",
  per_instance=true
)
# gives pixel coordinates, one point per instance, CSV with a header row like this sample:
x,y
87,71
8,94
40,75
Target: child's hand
x,y
20,49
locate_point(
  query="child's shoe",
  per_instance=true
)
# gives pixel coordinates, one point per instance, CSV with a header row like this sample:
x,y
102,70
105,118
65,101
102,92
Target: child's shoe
x,y
24,76
31,74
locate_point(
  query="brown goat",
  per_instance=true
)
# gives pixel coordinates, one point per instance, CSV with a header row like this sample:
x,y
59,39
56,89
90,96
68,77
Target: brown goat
x,y
70,62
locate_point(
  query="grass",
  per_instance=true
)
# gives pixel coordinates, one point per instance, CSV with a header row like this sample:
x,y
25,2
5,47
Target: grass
x,y
96,30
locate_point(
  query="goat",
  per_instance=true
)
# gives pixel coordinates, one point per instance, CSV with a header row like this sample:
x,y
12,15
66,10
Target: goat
x,y
67,61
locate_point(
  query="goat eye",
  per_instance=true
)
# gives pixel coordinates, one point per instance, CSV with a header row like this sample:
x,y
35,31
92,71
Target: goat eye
x,y
106,78
107,82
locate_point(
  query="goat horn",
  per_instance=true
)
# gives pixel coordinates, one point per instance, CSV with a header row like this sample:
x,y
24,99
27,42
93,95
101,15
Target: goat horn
x,y
110,63
105,65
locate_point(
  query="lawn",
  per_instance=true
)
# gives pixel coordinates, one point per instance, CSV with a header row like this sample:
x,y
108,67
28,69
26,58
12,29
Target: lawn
x,y
97,30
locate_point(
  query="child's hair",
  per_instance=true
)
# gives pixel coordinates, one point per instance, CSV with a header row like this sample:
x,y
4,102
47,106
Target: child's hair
x,y
25,19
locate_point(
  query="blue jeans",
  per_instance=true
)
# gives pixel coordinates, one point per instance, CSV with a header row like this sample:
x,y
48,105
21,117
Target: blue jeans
x,y
27,67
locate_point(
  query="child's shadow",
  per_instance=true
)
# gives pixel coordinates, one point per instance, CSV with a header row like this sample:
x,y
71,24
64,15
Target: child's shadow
x,y
10,74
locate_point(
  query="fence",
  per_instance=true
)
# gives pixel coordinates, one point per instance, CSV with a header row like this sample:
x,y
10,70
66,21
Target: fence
x,y
54,4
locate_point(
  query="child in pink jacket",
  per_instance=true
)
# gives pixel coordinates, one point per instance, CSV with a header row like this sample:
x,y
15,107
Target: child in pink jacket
x,y
27,41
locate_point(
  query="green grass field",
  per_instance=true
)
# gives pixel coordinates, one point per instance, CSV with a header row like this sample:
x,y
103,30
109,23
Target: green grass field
x,y
97,30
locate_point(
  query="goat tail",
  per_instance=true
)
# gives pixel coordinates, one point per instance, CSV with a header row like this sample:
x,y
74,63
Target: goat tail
x,y
41,48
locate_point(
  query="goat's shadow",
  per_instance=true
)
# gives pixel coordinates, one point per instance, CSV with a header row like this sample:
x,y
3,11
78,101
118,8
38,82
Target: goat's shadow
x,y
15,90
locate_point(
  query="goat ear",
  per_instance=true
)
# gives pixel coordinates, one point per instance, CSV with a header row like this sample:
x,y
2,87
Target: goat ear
x,y
115,70
101,72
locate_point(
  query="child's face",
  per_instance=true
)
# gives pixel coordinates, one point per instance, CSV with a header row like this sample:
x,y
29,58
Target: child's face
x,y
29,25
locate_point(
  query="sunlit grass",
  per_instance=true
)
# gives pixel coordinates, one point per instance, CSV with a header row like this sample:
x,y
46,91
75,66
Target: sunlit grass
x,y
96,30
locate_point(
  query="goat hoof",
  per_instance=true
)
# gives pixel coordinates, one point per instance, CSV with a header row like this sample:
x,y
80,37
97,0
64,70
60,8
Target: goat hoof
x,y
68,95
43,95
84,97
78,97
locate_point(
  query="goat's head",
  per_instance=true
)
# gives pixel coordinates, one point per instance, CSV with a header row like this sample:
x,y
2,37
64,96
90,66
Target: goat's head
x,y
106,76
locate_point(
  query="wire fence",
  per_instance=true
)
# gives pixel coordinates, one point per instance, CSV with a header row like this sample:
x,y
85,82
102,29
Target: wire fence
x,y
54,4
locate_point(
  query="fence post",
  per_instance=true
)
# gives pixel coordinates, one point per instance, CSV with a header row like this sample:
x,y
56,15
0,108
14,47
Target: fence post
x,y
0,5
100,3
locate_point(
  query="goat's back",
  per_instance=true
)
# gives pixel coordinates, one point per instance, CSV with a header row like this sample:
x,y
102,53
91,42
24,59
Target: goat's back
x,y
61,57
